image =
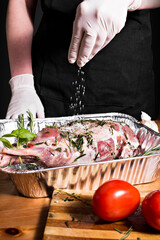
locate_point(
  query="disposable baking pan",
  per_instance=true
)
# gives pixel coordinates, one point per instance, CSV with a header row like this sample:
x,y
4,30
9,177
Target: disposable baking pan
x,y
136,170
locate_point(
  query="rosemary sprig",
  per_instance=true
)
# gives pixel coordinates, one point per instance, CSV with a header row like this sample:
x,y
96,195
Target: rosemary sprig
x,y
119,231
82,155
59,149
73,195
66,223
152,150
77,140
30,119
68,199
101,122
127,233
96,156
20,121
125,136
39,143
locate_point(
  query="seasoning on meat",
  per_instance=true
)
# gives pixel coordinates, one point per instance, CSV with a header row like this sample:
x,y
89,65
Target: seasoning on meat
x,y
76,143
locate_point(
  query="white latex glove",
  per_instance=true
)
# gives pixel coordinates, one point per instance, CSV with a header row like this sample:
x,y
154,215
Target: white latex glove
x,y
96,23
146,120
24,97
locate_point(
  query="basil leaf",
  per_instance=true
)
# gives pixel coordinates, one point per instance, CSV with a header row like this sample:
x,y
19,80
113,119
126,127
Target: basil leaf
x,y
6,143
14,133
9,135
21,134
25,134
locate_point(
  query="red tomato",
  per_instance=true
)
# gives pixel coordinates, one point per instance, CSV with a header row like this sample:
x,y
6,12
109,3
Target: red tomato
x,y
151,209
115,200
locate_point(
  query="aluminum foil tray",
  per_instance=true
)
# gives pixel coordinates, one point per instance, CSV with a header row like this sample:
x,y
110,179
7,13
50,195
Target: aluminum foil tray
x,y
136,170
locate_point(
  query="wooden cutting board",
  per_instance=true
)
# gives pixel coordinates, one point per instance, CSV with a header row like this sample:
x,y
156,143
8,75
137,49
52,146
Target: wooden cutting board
x,y
71,217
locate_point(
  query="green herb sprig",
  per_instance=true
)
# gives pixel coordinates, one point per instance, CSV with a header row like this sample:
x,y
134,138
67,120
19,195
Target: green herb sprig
x,y
152,150
82,155
126,234
30,119
21,134
6,143
77,140
119,231
68,199
73,195
20,121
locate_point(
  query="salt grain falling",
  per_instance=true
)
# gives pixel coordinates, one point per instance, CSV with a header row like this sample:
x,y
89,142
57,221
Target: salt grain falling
x,y
77,101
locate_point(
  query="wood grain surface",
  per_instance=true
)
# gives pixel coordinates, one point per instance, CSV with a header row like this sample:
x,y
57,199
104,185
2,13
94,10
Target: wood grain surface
x,y
72,218
20,217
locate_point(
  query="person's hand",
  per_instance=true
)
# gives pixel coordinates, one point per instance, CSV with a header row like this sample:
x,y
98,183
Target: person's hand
x,y
24,98
146,120
96,23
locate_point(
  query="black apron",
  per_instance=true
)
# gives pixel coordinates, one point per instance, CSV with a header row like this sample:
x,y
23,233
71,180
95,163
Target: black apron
x,y
118,79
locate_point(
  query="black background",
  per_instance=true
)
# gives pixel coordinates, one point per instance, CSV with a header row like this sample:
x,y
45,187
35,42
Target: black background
x,y
5,93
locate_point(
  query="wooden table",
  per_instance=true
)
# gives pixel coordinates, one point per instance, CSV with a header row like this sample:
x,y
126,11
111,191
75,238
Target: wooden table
x,y
25,218
20,217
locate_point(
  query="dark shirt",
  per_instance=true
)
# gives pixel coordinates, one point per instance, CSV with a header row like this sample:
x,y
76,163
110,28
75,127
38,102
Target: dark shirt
x,y
119,78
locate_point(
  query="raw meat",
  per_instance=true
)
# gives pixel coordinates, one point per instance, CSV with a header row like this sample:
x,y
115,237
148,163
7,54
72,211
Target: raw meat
x,y
78,143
